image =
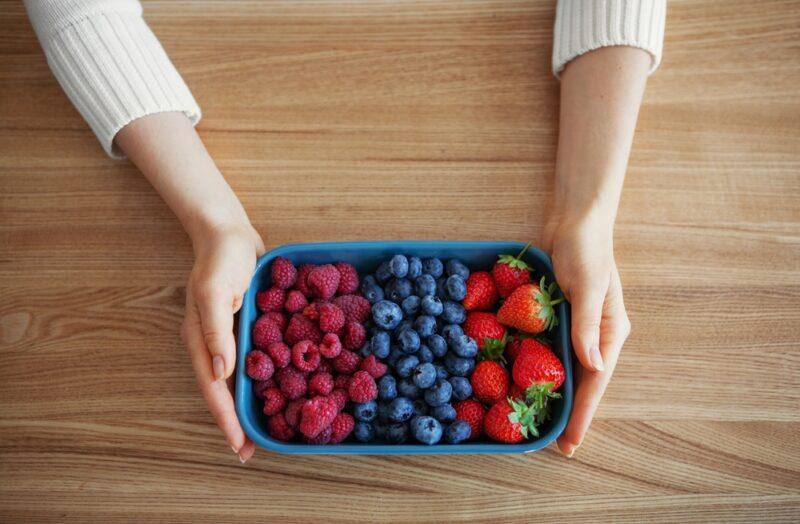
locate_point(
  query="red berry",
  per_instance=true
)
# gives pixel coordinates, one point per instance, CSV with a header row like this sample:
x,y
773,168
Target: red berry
x,y
305,356
301,328
485,330
374,367
265,332
362,387
339,397
280,354
320,384
325,366
346,363
331,346
356,308
279,429
331,318
354,336
259,366
481,292
516,392
311,311
512,350
499,427
348,281
472,411
302,279
277,317
271,299
274,401
536,364
295,301
489,381
510,272
260,386
292,413
324,281
284,273
341,381
292,383
341,427
324,437
317,414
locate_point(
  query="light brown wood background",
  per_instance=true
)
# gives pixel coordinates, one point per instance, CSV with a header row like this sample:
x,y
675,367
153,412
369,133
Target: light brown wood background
x,y
414,119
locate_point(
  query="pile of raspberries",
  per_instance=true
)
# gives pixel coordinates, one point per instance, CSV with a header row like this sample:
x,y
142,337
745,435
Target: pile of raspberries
x,y
305,360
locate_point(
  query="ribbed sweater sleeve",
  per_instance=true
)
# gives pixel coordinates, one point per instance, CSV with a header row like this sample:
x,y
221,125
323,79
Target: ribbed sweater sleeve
x,y
584,25
109,63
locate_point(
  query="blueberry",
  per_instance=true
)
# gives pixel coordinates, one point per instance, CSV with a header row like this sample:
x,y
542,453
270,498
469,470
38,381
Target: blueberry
x,y
462,389
441,291
431,305
396,433
368,280
444,413
398,289
387,387
425,325
373,293
424,375
453,313
394,355
401,409
383,414
363,431
380,344
458,366
380,429
425,354
405,366
451,331
387,315
425,285
438,394
457,432
420,408
410,305
365,351
383,273
464,346
398,265
408,340
407,388
427,430
456,287
456,267
437,344
414,267
441,372
365,412
433,267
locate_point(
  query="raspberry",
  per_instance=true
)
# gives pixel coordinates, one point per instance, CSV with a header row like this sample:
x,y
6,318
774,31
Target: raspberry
x,y
362,387
311,311
295,301
320,384
339,397
374,367
271,299
331,346
274,401
261,386
300,328
259,365
316,415
305,356
348,281
472,411
302,279
278,318
323,438
279,429
331,318
341,381
292,413
265,332
284,273
280,354
346,363
324,281
356,308
341,427
354,336
324,365
292,383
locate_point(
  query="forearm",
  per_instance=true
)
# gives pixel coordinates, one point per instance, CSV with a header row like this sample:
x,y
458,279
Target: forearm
x,y
170,154
600,96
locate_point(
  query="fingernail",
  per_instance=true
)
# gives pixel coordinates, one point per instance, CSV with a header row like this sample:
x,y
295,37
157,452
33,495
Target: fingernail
x,y
572,451
596,358
219,367
235,450
242,459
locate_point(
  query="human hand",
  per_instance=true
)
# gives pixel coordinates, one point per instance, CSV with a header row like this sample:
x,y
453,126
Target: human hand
x,y
225,257
583,258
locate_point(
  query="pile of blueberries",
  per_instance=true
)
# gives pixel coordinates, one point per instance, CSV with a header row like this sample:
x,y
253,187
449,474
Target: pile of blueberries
x,y
416,330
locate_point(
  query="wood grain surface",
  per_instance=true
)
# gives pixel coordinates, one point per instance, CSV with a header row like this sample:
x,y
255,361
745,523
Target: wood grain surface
x,y
413,119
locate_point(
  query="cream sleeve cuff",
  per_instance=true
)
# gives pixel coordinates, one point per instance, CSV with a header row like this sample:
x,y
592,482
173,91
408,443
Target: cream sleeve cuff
x,y
109,63
584,25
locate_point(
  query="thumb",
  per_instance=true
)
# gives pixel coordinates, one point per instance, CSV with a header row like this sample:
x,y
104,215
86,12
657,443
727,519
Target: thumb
x,y
215,306
587,311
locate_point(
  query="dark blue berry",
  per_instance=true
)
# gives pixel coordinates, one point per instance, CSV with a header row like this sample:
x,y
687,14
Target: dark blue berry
x,y
387,314
453,313
383,273
425,285
394,355
457,432
444,413
437,344
380,344
383,413
456,267
405,365
408,340
433,267
431,305
458,366
401,409
425,325
427,430
407,388
424,375
407,323
414,267
441,372
420,408
373,293
425,354
438,394
368,280
387,387
398,289
364,431
441,291
456,287
410,305
396,433
452,331
462,389
365,412
464,346
398,265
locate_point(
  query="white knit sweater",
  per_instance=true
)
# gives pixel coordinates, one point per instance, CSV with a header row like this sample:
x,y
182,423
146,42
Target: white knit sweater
x,y
114,70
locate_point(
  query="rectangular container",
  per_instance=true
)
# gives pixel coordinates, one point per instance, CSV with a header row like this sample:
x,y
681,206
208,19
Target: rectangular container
x,y
366,256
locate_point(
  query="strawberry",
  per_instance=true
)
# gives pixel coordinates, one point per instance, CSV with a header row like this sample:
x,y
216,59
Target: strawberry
x,y
510,421
489,381
530,308
481,292
471,411
510,272
512,349
536,364
485,330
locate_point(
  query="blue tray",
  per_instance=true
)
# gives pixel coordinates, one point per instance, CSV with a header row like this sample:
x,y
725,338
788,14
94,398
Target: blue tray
x,y
365,256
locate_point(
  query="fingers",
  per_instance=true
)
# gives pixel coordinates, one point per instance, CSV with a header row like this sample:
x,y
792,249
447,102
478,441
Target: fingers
x,y
215,306
215,392
587,299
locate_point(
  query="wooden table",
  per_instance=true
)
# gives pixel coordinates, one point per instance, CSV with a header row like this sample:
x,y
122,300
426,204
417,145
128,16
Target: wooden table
x,y
372,119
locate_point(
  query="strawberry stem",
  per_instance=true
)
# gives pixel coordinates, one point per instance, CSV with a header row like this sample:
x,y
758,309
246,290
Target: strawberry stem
x,y
524,249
